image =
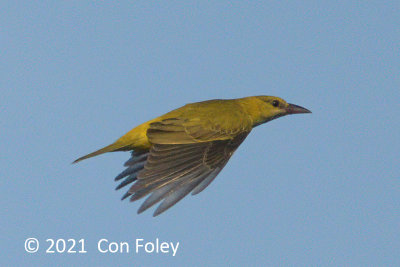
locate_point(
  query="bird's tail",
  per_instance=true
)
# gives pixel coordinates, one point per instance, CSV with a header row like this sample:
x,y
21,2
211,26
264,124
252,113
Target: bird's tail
x,y
110,148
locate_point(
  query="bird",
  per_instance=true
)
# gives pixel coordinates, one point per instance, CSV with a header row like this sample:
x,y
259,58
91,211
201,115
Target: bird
x,y
182,151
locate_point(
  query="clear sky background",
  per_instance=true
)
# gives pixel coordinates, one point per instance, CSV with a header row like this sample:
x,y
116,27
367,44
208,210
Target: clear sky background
x,y
314,189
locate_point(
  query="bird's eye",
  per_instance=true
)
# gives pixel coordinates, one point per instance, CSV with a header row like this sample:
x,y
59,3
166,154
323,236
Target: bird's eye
x,y
275,103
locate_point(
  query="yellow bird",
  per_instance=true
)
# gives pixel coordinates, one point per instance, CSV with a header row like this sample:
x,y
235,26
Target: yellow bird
x,y
183,150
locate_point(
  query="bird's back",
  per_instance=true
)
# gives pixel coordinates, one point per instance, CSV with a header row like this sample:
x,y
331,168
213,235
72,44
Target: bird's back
x,y
217,114
226,116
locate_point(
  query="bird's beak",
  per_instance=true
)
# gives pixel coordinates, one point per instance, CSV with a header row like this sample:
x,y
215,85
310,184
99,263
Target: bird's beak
x,y
295,109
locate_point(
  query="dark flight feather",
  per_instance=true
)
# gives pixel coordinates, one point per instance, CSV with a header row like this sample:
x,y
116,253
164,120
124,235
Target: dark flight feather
x,y
169,171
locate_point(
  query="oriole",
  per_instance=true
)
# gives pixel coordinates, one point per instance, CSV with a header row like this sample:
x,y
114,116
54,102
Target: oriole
x,y
183,150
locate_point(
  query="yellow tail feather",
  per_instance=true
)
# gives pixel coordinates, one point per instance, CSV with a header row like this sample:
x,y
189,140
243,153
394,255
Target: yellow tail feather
x,y
109,148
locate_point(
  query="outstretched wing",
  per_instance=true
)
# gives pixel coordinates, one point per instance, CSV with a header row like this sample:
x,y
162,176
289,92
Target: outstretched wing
x,y
184,158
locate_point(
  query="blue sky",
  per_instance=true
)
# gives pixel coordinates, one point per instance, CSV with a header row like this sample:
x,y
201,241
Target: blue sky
x,y
319,189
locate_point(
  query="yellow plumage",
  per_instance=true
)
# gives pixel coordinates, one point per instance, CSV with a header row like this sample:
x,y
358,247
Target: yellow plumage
x,y
183,150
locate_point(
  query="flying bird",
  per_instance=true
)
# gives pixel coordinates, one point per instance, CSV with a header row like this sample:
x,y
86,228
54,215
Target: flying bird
x,y
184,150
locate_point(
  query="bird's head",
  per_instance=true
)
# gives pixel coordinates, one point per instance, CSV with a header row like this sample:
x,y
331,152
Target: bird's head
x,y
272,107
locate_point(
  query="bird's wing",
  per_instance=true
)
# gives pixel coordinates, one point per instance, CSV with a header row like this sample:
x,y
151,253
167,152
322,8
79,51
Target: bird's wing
x,y
181,160
173,171
200,125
